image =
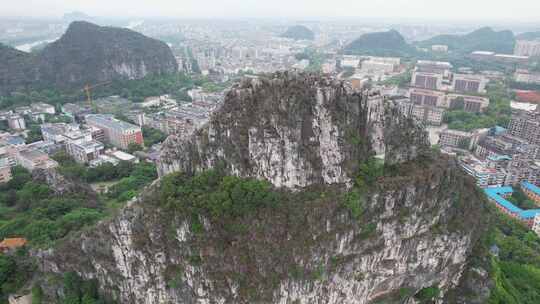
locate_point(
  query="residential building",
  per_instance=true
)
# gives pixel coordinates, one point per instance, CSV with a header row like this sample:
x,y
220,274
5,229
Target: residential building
x,y
468,103
350,62
425,97
436,67
86,151
427,80
532,191
358,82
522,75
526,126
467,83
97,133
455,139
498,195
527,48
48,147
76,111
5,170
137,116
380,65
118,133
536,224
511,59
42,107
426,114
528,96
521,168
16,122
483,174
55,131
34,159
81,146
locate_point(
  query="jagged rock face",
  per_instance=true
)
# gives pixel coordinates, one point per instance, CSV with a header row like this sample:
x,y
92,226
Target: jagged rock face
x,y
88,54
295,130
417,231
306,135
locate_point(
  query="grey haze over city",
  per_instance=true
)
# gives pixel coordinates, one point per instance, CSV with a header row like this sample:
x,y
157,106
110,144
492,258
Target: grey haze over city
x,y
518,10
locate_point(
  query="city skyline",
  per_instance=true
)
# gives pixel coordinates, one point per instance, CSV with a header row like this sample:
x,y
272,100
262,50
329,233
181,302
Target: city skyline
x,y
521,10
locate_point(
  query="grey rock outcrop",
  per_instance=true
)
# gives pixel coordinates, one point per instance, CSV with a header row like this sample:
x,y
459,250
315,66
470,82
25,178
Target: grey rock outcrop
x,y
417,231
305,134
296,130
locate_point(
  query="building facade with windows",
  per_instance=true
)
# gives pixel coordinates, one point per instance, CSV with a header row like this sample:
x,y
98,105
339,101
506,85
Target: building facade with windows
x,y
116,132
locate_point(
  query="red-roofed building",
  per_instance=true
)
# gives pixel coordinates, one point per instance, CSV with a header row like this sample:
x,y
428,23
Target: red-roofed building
x,y
10,244
528,96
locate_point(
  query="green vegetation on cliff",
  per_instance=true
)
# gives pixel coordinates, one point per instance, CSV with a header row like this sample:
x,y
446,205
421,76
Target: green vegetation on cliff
x,y
32,210
516,269
129,178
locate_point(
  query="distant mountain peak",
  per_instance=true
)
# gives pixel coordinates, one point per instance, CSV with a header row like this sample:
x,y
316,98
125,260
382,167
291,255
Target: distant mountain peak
x,y
87,53
299,32
389,43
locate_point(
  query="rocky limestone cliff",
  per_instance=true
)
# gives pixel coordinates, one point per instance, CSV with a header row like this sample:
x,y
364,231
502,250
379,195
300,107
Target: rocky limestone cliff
x,y
296,130
417,231
306,135
85,54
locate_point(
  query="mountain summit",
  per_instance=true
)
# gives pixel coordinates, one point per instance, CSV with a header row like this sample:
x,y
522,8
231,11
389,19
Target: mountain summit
x,y
87,53
260,206
299,32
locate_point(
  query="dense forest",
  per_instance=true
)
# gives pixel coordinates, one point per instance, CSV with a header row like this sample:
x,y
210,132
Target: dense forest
x,y
31,209
135,90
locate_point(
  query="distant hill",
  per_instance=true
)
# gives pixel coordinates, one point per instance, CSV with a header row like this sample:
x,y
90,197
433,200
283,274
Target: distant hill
x,y
483,39
299,32
390,43
528,36
86,53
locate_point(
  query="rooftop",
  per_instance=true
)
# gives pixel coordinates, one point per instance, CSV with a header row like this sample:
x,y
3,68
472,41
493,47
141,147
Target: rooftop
x,y
531,187
110,122
496,195
15,140
123,156
32,154
12,243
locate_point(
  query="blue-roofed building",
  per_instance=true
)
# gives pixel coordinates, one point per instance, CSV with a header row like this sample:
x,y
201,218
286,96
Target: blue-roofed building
x,y
532,191
16,141
498,196
497,130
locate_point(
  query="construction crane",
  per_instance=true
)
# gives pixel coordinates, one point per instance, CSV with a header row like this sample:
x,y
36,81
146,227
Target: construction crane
x,y
87,88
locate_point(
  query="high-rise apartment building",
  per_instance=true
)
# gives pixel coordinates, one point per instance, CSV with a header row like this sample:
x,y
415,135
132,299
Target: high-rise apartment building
x,y
527,48
526,126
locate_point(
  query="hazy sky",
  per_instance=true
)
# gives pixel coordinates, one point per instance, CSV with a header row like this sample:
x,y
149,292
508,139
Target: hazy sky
x,y
516,10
